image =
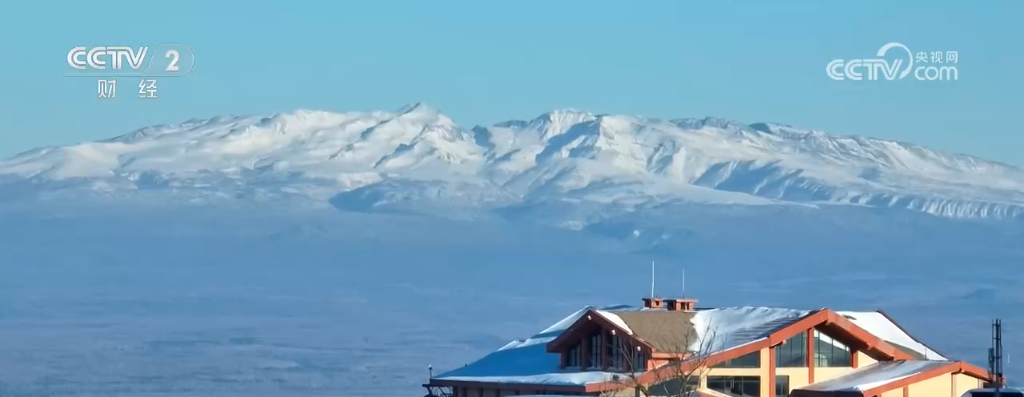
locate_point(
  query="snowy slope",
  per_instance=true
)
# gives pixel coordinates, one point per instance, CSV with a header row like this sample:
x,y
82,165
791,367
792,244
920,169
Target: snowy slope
x,y
419,158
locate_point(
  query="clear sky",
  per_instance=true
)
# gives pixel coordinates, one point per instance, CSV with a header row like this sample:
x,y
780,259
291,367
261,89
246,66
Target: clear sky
x,y
486,61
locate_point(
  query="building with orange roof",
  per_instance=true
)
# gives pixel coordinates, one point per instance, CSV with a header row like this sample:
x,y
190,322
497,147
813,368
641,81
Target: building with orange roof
x,y
669,345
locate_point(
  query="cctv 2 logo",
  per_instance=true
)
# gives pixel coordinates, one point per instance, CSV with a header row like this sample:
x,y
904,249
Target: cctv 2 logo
x,y
111,61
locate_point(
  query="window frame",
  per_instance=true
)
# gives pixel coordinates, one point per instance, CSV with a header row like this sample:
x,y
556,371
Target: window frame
x,y
639,362
827,349
781,391
739,362
794,347
754,382
574,356
594,361
690,384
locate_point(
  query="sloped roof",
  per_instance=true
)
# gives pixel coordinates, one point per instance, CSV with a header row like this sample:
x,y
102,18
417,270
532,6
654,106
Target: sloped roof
x,y
881,325
882,377
705,330
874,375
911,352
526,361
666,331
727,328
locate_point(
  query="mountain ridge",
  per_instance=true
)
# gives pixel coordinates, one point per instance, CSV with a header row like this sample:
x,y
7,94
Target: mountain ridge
x,y
621,162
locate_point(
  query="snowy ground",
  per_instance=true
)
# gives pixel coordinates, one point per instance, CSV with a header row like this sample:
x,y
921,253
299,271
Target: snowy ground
x,y
151,301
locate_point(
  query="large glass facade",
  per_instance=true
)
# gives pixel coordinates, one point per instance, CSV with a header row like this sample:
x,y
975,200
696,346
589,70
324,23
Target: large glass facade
x,y
617,353
605,350
752,360
829,352
675,387
739,386
793,353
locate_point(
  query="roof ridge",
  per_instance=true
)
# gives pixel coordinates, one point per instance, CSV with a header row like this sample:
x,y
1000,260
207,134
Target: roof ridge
x,y
911,336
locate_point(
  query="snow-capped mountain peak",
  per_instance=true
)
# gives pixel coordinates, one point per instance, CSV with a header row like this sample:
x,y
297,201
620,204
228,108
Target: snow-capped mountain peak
x,y
615,161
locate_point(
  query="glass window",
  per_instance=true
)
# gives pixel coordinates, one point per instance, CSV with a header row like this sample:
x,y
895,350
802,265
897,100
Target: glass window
x,y
793,353
595,351
675,387
782,386
829,352
740,386
574,356
618,353
639,360
609,350
752,360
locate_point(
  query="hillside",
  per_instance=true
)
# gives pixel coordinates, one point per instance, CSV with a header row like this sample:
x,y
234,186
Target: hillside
x,y
418,159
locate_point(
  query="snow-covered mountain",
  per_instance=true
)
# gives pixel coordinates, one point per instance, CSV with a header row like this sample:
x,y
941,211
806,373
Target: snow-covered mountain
x,y
417,157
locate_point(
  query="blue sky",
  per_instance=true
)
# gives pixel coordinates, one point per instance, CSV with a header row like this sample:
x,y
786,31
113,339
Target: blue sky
x,y
486,61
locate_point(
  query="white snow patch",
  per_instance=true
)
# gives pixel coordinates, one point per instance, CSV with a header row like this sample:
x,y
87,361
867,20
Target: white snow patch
x,y
730,327
875,375
615,320
879,325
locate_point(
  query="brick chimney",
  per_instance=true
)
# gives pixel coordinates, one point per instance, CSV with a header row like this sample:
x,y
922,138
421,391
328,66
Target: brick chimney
x,y
680,304
653,303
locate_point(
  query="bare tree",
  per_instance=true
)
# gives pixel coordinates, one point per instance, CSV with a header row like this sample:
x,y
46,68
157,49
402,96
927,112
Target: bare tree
x,y
677,376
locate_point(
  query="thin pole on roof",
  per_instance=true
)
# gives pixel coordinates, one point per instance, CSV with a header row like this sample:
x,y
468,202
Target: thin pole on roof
x,y
684,283
652,279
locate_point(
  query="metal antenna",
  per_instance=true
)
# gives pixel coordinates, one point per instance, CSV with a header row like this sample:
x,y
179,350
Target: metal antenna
x,y
684,283
997,345
995,357
652,279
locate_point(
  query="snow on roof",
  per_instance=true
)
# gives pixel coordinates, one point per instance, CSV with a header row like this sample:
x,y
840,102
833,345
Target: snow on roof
x,y
729,327
527,360
881,326
875,375
615,320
